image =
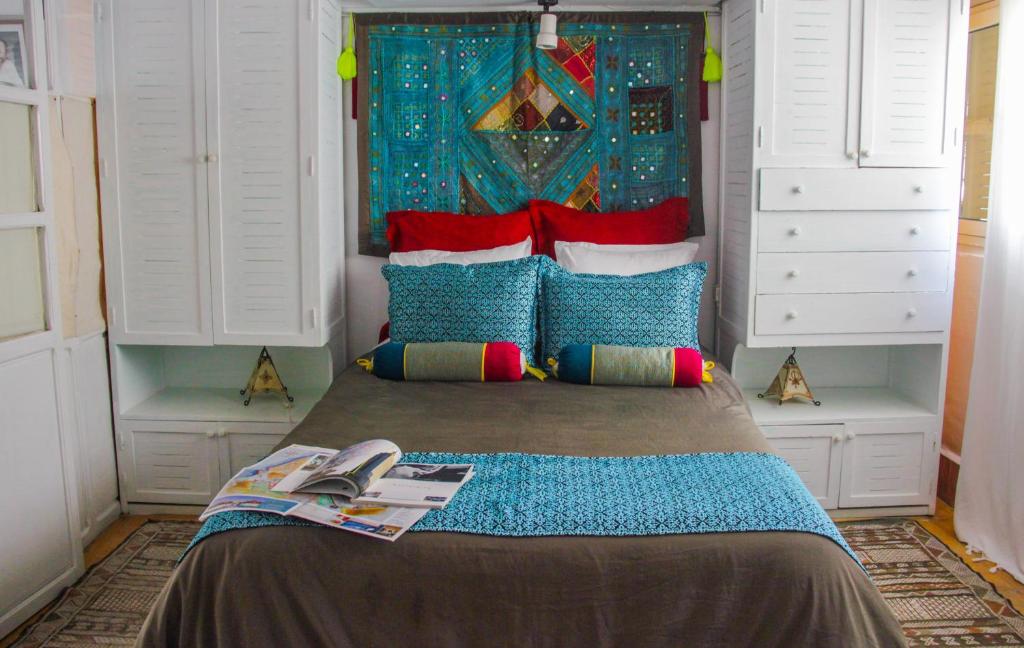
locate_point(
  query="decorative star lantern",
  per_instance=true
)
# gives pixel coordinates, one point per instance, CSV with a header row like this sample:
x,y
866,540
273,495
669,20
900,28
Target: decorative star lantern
x,y
265,379
789,383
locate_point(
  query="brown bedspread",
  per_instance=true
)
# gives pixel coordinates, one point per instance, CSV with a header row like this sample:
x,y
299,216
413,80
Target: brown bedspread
x,y
296,586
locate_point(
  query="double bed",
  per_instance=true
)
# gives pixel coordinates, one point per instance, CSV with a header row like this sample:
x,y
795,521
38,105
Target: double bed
x,y
303,586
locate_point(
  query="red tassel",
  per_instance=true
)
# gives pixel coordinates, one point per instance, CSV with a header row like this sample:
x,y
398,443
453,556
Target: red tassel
x,y
705,111
355,97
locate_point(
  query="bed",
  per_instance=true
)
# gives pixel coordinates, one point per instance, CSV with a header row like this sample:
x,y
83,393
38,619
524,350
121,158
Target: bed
x,y
297,586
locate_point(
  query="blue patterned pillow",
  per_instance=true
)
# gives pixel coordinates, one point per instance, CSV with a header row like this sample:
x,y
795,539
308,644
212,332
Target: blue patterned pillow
x,y
485,302
657,309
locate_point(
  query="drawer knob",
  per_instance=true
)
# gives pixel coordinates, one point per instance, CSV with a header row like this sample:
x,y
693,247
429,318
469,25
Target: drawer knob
x,y
918,189
793,274
794,231
915,230
798,189
865,153
212,157
850,436
791,315
211,433
911,312
912,272
836,438
851,155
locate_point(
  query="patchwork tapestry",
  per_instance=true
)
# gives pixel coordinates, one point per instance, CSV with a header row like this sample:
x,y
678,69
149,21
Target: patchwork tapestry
x,y
462,113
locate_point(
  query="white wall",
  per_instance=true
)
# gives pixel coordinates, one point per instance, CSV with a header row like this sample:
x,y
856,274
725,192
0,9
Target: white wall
x,y
367,295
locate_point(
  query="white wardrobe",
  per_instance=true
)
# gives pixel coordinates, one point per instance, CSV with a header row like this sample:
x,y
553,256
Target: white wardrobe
x,y
220,160
841,155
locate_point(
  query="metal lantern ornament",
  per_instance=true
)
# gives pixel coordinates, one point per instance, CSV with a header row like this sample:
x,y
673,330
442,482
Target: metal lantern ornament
x,y
547,37
265,379
789,383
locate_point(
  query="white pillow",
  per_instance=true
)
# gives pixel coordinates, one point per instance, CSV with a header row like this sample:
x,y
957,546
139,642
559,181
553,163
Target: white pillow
x,y
429,257
623,260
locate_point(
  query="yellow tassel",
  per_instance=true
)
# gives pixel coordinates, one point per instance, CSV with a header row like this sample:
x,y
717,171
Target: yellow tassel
x,y
347,58
706,375
365,364
554,366
536,373
712,61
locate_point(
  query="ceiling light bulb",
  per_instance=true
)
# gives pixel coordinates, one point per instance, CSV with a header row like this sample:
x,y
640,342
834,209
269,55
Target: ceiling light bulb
x,y
547,38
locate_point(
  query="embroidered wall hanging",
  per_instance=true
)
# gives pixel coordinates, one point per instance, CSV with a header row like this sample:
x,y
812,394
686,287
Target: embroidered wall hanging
x,y
462,113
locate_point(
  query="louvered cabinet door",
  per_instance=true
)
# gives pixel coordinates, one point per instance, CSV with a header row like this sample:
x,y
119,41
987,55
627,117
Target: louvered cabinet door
x,y
807,97
260,199
913,82
889,463
152,142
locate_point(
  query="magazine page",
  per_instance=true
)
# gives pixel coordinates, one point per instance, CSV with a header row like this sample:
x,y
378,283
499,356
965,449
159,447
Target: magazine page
x,y
375,520
420,485
346,473
252,489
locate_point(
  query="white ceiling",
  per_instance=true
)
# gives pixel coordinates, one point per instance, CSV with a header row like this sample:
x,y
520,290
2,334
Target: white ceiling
x,y
506,5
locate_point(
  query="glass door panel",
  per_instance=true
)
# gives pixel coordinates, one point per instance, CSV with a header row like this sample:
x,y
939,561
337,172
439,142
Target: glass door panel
x,y
22,310
18,178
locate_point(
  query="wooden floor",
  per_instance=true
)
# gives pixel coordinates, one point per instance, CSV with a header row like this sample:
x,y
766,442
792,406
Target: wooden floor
x,y
940,525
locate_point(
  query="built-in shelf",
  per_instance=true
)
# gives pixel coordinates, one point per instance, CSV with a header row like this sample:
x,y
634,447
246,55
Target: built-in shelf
x,y
838,405
221,404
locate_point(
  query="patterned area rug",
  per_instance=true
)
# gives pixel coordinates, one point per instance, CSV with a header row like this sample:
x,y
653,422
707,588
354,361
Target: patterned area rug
x,y
937,598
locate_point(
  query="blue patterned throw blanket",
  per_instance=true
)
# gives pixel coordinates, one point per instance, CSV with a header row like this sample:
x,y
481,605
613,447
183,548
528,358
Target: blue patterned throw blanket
x,y
515,494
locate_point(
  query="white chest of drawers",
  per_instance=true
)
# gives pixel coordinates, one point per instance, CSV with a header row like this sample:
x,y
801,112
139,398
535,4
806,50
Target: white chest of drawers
x,y
840,185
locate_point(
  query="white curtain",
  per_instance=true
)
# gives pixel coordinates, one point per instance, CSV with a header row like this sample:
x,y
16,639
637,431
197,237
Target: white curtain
x,y
989,511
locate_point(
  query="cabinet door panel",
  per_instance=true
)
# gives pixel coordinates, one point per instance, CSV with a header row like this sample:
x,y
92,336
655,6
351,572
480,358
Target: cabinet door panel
x,y
169,462
808,102
152,126
914,57
813,451
257,182
36,545
244,449
889,463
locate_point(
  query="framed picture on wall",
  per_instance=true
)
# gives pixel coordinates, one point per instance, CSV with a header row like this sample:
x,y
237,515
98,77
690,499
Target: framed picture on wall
x,y
12,52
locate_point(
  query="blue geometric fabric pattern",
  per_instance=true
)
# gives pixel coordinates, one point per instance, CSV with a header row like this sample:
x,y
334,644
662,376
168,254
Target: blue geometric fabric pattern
x,y
486,302
462,113
657,309
515,494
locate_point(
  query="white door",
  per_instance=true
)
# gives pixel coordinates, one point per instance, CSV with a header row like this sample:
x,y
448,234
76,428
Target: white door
x,y
815,453
258,89
913,82
40,546
151,109
889,463
169,462
808,96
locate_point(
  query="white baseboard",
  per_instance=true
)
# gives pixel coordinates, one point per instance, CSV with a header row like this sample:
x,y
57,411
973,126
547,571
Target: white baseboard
x,y
879,511
137,508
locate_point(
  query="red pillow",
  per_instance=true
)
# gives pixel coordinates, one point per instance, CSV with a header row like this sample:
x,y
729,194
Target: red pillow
x,y
666,222
410,231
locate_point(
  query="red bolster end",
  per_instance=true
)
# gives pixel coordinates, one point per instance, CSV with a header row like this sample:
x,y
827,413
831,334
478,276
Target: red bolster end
x,y
502,362
385,332
689,367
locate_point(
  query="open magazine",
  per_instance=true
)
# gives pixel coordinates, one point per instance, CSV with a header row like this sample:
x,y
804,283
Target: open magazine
x,y
347,472
370,473
256,488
